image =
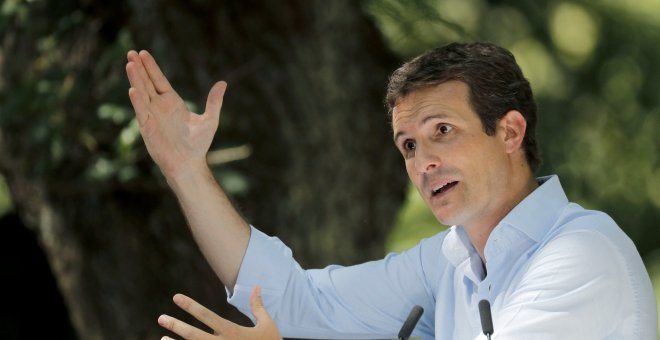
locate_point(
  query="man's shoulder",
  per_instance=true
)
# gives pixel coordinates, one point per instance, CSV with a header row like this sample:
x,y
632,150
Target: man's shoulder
x,y
587,233
576,219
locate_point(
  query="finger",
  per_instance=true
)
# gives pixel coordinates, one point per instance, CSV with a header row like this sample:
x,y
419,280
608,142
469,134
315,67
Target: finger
x,y
138,100
257,306
134,77
159,80
151,90
214,101
132,55
138,77
181,328
201,313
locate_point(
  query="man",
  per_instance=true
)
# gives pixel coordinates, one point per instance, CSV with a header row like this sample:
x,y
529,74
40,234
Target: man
x,y
463,117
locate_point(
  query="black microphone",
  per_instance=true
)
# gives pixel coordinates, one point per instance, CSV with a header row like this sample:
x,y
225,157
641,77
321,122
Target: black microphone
x,y
486,318
410,323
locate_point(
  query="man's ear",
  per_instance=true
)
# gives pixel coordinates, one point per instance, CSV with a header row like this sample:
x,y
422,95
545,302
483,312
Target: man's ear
x,y
513,125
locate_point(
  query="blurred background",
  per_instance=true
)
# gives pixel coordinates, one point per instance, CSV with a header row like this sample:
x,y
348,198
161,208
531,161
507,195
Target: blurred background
x,y
93,242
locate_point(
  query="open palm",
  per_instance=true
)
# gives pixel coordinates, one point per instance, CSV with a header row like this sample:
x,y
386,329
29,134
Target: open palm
x,y
223,329
176,138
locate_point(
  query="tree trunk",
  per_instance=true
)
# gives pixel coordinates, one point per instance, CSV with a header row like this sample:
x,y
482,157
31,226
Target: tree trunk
x,y
306,81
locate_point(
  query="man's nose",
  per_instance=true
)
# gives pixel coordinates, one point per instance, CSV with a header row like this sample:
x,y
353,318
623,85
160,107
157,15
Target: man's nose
x,y
426,160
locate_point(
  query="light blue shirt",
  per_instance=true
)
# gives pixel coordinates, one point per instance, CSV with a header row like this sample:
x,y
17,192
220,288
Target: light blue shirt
x,y
554,271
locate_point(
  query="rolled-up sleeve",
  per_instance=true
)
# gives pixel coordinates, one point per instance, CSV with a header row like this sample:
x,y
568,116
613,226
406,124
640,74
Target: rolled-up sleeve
x,y
366,301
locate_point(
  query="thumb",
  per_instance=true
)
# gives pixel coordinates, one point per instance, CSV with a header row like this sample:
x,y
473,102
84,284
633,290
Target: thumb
x,y
257,306
214,101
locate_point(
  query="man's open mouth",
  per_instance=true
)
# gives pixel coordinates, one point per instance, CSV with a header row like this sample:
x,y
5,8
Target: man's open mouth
x,y
442,188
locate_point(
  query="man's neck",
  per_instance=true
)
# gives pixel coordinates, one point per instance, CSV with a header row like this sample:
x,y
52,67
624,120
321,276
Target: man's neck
x,y
480,231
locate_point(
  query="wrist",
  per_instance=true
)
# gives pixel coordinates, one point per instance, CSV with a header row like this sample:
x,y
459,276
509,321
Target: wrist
x,y
188,176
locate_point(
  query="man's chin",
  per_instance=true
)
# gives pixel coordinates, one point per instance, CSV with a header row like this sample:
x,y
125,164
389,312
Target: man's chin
x,y
444,218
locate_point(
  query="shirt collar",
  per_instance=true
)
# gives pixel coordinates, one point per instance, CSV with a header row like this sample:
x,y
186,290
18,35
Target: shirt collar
x,y
531,218
538,211
457,246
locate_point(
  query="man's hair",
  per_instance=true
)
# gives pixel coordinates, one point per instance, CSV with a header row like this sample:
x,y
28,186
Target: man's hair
x,y
496,84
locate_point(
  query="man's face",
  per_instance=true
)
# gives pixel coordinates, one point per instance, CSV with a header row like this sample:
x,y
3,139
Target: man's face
x,y
460,171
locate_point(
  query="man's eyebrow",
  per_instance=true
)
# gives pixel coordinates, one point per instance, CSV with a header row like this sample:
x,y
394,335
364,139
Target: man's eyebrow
x,y
426,119
397,135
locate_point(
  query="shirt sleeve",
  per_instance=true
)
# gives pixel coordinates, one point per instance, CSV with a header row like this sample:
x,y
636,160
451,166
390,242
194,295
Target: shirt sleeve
x,y
573,289
366,301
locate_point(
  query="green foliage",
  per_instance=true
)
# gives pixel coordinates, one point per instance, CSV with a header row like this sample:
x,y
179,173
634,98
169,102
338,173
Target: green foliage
x,y
61,58
5,198
65,58
415,222
653,266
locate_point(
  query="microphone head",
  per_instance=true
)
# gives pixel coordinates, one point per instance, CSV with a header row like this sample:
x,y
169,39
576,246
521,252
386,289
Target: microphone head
x,y
411,322
486,318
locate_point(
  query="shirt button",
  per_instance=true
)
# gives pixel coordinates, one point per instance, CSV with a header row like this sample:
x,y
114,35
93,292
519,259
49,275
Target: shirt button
x,y
489,287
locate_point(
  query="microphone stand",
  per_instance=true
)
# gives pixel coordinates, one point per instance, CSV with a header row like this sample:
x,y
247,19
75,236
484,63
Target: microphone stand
x,y
411,322
486,318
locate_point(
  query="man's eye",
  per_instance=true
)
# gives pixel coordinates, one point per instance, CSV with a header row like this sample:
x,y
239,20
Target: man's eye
x,y
445,129
409,145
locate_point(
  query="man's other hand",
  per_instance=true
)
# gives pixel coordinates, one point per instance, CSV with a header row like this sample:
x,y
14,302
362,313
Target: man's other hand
x,y
265,328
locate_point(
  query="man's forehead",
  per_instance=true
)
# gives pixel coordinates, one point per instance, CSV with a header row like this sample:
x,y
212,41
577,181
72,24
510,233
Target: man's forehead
x,y
406,111
416,100
443,94
406,106
399,111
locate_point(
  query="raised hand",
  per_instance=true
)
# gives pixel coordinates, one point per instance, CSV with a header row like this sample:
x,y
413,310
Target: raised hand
x,y
265,328
177,139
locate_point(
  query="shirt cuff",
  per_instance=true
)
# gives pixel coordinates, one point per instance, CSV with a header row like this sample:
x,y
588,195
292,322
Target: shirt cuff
x,y
267,262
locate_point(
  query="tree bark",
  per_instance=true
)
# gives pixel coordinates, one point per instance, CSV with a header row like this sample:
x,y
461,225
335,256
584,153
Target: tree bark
x,y
306,80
